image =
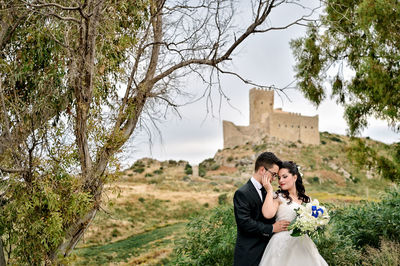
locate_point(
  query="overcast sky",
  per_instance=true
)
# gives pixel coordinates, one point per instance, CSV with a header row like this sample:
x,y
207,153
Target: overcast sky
x,y
265,59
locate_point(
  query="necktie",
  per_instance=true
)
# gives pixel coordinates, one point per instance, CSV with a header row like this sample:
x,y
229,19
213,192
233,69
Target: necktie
x,y
263,193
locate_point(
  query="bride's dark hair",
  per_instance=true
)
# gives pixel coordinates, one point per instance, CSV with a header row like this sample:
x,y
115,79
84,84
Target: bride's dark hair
x,y
301,191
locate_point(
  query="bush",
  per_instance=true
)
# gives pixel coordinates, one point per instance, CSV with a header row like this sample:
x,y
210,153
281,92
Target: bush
x,y
214,167
338,250
261,147
336,139
210,239
115,232
188,169
230,159
138,170
222,199
172,163
387,254
313,180
202,171
137,164
158,171
367,223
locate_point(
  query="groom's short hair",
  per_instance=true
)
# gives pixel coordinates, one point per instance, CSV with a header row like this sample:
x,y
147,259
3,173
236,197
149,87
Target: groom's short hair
x,y
267,160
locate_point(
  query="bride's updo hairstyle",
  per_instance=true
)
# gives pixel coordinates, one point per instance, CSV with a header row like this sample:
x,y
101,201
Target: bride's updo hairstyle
x,y
301,191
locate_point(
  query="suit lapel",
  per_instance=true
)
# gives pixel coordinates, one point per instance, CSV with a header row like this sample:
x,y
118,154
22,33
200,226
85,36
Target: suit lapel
x,y
253,192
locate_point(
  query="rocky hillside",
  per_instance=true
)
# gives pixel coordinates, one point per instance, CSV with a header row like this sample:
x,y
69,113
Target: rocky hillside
x,y
326,167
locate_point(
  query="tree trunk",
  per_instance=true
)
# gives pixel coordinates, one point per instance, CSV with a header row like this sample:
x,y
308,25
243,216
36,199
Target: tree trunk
x,y
2,258
73,236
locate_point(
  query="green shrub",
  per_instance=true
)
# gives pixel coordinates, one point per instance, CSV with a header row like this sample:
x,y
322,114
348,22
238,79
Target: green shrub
x,y
158,171
202,171
188,169
172,162
230,159
354,179
148,175
367,223
137,164
115,232
336,139
313,180
387,254
261,147
338,250
222,199
214,167
138,170
210,239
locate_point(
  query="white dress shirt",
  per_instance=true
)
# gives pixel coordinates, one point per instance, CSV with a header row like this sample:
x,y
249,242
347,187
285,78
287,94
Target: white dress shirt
x,y
258,186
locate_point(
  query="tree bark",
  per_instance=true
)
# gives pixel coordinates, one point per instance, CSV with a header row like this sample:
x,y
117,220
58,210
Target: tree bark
x,y
2,257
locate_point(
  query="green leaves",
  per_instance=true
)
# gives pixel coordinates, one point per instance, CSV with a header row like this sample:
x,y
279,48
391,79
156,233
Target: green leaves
x,y
354,36
210,240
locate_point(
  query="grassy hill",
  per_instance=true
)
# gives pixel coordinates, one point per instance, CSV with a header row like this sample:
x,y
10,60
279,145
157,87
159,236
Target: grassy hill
x,y
145,211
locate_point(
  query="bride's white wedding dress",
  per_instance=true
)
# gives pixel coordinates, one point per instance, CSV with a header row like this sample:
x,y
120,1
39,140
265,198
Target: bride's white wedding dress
x,y
284,249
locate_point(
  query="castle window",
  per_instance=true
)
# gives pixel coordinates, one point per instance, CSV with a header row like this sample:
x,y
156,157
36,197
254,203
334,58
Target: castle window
x,y
292,126
279,125
312,127
285,125
298,126
305,126
261,102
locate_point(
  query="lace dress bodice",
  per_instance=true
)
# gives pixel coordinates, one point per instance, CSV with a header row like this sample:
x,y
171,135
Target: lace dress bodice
x,y
286,211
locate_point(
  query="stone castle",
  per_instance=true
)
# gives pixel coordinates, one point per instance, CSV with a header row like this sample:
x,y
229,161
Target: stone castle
x,y
267,121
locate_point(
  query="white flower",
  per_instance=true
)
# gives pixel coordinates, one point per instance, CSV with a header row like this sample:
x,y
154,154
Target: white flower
x,y
299,169
309,218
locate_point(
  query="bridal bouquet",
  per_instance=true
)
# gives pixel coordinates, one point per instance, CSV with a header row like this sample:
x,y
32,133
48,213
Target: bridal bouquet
x,y
310,219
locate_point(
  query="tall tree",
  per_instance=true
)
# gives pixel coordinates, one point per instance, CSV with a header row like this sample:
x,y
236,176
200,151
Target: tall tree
x,y
361,37
77,79
353,54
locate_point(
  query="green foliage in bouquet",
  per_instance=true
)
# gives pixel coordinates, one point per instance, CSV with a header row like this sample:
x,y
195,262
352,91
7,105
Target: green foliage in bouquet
x,y
210,240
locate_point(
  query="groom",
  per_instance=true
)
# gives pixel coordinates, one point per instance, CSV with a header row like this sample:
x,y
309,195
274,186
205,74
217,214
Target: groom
x,y
253,230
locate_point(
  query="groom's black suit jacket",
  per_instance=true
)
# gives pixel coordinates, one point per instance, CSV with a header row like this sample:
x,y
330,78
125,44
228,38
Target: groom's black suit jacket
x,y
253,230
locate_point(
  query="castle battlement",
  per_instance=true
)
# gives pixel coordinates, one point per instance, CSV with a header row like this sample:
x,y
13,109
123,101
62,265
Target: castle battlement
x,y
267,121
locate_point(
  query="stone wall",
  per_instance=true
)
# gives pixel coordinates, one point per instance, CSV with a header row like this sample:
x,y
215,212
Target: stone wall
x,y
261,103
238,135
266,121
294,127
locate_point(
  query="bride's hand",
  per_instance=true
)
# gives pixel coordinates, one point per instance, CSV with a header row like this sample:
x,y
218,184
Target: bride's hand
x,y
266,182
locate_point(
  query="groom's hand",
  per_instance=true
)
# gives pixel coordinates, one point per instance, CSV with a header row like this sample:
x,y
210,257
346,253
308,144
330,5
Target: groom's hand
x,y
280,226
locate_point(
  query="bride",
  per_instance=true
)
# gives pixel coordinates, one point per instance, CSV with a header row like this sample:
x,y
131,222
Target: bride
x,y
284,249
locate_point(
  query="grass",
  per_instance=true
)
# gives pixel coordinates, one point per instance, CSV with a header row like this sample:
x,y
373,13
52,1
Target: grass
x,y
123,250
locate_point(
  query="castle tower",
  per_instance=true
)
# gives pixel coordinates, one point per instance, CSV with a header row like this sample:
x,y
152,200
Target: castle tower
x,y
261,103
